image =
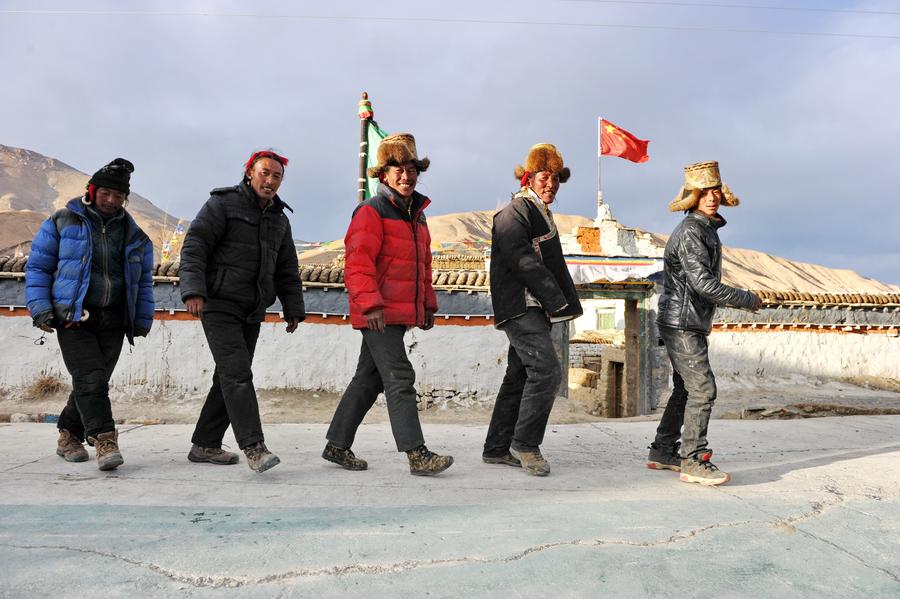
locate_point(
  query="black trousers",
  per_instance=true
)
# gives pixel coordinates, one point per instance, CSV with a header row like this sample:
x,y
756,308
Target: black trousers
x,y
232,397
526,396
90,351
383,366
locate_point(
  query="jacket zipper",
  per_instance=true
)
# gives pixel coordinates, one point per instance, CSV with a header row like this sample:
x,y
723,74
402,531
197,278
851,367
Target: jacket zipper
x,y
107,282
412,223
262,256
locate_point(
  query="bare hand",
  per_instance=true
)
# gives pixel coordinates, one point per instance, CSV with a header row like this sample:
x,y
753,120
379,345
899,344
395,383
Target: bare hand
x,y
292,324
194,305
429,320
375,320
757,302
46,328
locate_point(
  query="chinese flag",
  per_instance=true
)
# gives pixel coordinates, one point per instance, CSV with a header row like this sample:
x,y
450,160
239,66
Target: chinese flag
x,y
619,142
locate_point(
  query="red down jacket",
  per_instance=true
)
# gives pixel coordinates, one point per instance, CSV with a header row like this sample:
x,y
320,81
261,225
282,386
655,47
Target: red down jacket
x,y
388,260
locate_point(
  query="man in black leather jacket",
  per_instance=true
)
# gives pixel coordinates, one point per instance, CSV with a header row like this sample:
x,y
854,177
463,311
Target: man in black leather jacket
x,y
692,290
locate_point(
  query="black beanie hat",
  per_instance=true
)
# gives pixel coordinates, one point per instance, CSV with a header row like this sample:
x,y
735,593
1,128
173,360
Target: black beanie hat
x,y
115,175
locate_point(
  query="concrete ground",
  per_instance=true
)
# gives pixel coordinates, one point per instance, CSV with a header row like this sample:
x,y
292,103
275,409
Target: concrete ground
x,y
813,511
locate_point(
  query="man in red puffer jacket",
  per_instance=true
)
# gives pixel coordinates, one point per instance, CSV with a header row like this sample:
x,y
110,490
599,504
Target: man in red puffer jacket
x,y
388,277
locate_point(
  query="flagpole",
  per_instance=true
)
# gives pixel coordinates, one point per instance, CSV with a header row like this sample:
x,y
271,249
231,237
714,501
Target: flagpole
x,y
365,113
599,154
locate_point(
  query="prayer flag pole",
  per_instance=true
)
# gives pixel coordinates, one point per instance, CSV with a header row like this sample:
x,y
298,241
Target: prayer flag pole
x,y
365,114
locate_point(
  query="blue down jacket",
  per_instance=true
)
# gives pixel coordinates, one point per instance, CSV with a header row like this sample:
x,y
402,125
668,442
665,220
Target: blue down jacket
x,y
59,270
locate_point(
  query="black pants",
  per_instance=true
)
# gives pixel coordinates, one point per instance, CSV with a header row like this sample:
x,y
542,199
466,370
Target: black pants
x,y
526,396
232,397
383,366
90,351
691,402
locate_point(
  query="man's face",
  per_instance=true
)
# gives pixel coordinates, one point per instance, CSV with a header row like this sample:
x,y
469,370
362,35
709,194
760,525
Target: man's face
x,y
265,177
108,201
710,200
545,184
401,179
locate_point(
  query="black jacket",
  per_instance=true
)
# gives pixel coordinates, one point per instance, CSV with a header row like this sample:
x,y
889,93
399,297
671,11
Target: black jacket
x,y
238,256
692,277
107,286
526,254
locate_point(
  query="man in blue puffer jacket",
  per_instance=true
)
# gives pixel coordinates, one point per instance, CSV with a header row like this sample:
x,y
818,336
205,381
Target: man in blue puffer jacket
x,y
89,277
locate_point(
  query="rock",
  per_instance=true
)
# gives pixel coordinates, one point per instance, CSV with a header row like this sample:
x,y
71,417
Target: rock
x,y
582,377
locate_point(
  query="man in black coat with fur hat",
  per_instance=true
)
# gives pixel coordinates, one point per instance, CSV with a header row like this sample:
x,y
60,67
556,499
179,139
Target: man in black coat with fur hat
x,y
531,289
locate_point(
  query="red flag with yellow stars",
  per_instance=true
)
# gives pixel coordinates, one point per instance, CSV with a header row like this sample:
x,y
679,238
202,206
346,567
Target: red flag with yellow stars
x,y
615,141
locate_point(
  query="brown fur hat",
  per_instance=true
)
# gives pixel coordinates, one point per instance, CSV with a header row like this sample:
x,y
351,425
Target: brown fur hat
x,y
543,157
698,177
395,150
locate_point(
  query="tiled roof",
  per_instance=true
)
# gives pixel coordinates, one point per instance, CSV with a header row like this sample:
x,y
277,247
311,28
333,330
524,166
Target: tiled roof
x,y
477,279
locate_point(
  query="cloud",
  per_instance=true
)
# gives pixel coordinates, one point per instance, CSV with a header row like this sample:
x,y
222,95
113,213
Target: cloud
x,y
803,126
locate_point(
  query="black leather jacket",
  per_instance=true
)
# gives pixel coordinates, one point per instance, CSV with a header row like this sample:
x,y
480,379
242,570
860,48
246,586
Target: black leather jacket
x,y
693,274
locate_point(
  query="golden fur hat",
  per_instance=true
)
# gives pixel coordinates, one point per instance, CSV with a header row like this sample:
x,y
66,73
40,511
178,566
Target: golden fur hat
x,y
697,177
543,157
395,150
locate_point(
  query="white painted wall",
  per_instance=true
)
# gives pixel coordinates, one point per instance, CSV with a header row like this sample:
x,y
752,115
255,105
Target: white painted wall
x,y
808,353
588,320
175,358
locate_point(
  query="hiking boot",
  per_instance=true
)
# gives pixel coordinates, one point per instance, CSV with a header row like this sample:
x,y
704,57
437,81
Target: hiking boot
x,y
107,446
69,447
698,469
343,457
259,458
212,455
507,459
664,457
532,462
425,463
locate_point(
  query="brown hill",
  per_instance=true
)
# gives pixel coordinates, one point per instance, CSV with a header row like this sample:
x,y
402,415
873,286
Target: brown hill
x,y
748,269
33,186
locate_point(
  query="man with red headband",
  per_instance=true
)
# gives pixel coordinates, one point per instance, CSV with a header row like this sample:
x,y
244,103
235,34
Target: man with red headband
x,y
238,255
531,289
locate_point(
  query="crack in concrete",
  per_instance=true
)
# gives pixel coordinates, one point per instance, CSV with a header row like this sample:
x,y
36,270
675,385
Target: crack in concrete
x,y
390,568
819,509
851,555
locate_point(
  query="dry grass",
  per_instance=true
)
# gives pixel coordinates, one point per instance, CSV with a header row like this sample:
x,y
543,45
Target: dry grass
x,y
874,382
44,386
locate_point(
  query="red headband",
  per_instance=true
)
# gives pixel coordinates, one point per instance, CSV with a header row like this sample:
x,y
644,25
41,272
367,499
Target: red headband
x,y
265,154
524,181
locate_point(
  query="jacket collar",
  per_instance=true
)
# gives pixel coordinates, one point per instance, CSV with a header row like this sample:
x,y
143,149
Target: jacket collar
x,y
417,200
715,223
247,192
132,230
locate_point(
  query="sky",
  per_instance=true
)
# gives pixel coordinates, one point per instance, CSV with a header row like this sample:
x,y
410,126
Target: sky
x,y
797,100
